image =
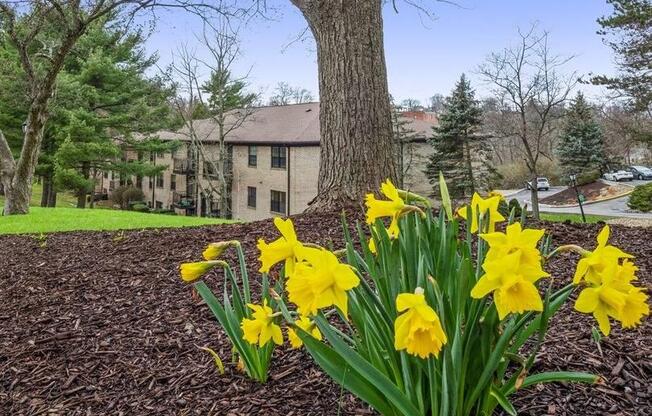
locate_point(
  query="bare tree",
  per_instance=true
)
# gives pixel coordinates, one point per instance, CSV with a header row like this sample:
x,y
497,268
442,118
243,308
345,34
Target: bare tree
x,y
528,82
230,105
411,104
222,95
22,26
285,94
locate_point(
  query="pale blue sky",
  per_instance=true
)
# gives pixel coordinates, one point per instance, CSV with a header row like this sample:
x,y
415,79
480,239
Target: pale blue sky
x,y
422,58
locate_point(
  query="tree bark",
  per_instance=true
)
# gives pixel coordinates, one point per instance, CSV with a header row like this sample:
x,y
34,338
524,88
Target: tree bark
x,y
357,149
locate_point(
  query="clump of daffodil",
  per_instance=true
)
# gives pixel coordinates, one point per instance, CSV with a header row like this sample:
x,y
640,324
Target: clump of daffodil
x,y
417,330
261,329
392,208
512,283
319,280
377,208
594,262
481,206
610,294
193,271
514,239
215,250
282,249
307,325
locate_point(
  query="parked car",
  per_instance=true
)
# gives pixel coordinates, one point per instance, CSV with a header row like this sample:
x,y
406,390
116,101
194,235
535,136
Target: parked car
x,y
640,172
542,184
619,175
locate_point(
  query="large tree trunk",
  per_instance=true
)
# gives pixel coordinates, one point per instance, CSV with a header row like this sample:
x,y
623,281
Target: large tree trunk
x,y
17,177
355,116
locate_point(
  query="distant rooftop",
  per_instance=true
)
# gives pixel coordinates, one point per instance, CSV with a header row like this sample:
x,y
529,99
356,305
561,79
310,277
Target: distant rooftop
x,y
295,124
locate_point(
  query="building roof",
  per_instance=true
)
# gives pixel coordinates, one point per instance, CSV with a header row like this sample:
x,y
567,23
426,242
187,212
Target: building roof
x,y
296,124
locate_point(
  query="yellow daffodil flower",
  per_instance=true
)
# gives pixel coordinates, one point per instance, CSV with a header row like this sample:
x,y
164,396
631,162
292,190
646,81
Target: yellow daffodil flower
x,y
479,207
377,208
215,250
307,325
193,271
319,281
512,283
636,307
614,297
281,249
261,329
418,329
514,239
594,262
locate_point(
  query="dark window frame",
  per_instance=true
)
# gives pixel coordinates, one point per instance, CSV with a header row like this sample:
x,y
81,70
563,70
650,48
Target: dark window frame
x,y
251,196
278,205
160,181
173,182
252,156
279,160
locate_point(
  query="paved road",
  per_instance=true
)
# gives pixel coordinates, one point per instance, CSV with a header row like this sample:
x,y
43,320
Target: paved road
x,y
614,208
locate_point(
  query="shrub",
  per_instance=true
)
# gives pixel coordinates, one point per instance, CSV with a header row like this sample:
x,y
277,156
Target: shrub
x,y
641,198
587,177
423,319
124,195
140,207
514,175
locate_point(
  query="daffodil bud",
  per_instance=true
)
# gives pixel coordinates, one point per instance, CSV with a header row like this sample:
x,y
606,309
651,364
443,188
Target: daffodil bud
x,y
215,250
193,271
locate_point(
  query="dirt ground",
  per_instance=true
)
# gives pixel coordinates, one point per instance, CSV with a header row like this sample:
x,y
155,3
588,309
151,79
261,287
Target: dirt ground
x,y
592,192
100,323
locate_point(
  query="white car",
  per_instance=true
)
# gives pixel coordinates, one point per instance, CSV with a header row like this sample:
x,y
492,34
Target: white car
x,y
617,176
542,184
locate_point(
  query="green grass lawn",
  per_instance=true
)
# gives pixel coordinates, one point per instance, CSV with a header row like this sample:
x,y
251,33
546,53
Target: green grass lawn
x,y
592,219
64,199
46,220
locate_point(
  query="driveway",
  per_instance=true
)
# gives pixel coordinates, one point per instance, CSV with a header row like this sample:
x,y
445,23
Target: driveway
x,y
612,208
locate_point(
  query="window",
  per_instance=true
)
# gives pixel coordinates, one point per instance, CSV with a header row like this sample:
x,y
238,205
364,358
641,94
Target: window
x,y
152,156
278,157
159,181
151,182
253,156
139,181
251,197
173,182
278,202
159,205
106,175
210,170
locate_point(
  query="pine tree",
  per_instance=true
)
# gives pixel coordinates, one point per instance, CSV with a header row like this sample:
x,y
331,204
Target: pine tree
x,y
104,98
459,151
581,146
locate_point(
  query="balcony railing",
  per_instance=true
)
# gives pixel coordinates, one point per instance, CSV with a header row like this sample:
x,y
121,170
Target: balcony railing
x,y
183,166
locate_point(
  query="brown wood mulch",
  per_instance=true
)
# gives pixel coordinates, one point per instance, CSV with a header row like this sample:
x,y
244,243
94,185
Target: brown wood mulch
x,y
100,323
593,191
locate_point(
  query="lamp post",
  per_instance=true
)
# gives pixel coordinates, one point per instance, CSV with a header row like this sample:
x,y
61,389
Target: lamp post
x,y
573,179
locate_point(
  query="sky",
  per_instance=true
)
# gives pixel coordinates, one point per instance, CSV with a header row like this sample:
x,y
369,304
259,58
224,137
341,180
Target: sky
x,y
423,56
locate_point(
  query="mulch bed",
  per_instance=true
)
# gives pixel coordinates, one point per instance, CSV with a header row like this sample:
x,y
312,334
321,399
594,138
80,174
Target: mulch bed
x,y
100,323
592,191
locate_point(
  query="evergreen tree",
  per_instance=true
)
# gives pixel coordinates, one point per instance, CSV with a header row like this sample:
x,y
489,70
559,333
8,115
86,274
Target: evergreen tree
x,y
459,151
628,31
581,146
104,98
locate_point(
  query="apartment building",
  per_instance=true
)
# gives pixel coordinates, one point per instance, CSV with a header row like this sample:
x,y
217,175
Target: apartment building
x,y
274,164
